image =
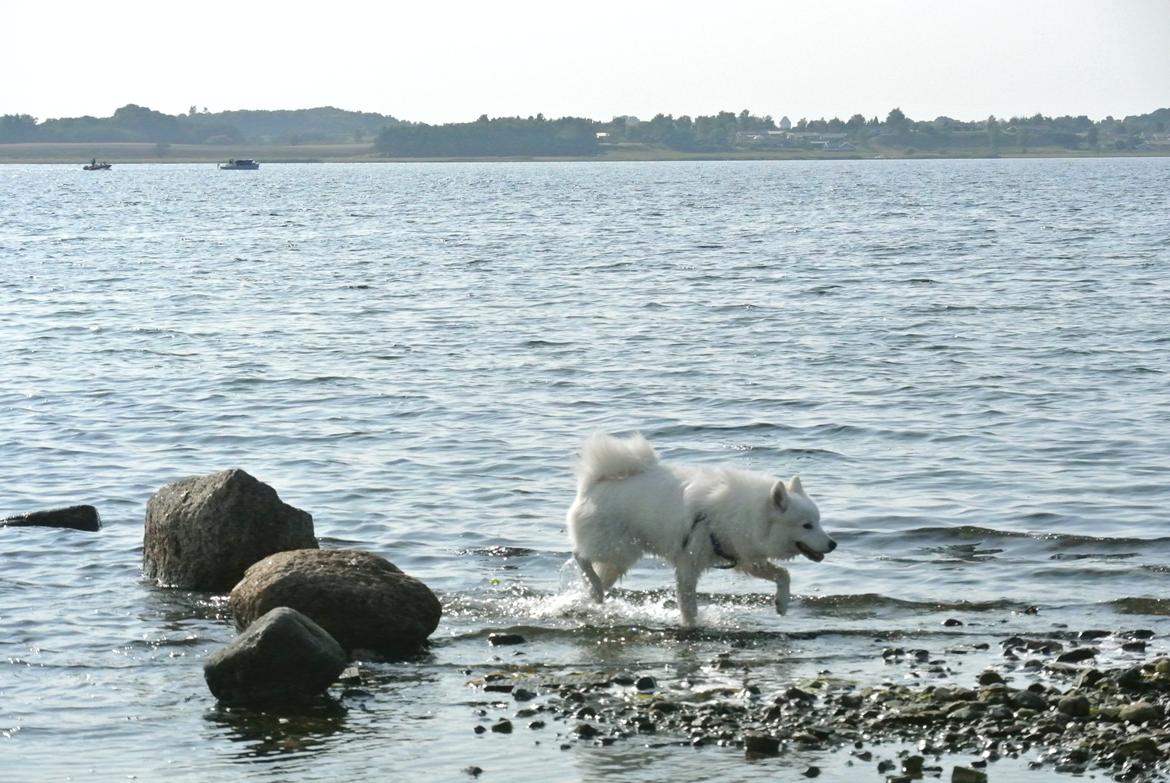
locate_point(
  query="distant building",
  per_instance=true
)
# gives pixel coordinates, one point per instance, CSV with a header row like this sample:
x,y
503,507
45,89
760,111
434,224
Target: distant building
x,y
784,124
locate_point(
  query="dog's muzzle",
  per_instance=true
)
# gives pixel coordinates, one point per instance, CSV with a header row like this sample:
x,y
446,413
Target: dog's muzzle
x,y
813,554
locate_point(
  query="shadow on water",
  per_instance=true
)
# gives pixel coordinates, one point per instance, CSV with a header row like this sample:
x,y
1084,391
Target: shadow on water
x,y
278,731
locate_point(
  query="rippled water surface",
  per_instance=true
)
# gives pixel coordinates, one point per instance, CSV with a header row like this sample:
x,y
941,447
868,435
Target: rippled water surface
x,y
966,361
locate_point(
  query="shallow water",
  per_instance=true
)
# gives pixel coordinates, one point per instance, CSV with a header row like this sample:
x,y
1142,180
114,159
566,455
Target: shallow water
x,y
966,361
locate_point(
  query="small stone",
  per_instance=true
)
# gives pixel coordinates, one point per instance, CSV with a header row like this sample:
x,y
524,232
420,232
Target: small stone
x,y
1141,633
1139,712
990,677
499,687
761,745
586,730
812,772
1089,678
502,639
912,765
523,694
503,727
951,622
350,675
480,730
967,775
1077,655
1135,646
1074,705
84,518
796,694
473,770
1162,666
1089,636
1131,678
1030,700
536,724
884,766
646,683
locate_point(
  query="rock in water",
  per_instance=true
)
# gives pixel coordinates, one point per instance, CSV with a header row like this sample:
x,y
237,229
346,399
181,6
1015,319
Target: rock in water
x,y
202,533
282,657
967,775
364,601
72,518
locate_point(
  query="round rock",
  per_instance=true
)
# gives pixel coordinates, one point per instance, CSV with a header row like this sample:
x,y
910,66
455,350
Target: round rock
x,y
202,533
364,601
282,657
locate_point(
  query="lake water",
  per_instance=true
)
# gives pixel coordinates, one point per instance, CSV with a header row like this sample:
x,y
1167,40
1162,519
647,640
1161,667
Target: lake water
x,y
965,361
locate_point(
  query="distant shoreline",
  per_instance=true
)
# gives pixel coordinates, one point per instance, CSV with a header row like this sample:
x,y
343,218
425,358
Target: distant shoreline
x,y
137,153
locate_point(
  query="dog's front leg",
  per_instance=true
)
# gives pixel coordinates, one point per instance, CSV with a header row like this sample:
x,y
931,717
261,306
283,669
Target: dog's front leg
x,y
777,574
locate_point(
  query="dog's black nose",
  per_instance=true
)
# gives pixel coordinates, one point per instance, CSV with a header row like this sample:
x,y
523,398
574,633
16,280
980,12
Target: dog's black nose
x,y
832,545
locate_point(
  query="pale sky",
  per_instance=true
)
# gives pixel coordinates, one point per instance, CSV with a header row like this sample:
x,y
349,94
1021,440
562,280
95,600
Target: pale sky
x,y
452,61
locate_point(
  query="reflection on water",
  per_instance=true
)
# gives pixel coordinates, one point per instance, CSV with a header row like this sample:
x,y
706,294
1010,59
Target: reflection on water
x,y
263,733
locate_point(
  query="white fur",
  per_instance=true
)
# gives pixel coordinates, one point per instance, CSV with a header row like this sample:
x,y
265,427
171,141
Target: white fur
x,y
629,503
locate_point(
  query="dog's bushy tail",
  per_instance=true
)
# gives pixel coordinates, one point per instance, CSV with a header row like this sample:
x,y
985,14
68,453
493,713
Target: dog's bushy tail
x,y
606,458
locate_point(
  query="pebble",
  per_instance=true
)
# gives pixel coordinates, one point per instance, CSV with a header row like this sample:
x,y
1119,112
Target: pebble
x,y
990,677
1074,705
761,745
1139,712
1077,655
503,727
646,684
500,639
474,771
967,775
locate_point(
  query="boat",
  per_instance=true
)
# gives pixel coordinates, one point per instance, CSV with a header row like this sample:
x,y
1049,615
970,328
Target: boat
x,y
240,164
93,165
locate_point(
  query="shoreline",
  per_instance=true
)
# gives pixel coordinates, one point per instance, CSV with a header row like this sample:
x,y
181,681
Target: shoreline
x,y
141,153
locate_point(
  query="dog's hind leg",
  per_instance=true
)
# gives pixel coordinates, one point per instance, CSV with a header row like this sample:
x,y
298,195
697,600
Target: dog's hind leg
x,y
596,587
686,579
609,573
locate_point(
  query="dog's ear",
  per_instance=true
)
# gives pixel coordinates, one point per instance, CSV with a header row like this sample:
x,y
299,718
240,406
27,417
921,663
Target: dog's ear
x,y
780,495
794,485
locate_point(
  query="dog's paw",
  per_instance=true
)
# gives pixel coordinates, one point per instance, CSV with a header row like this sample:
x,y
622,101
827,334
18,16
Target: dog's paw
x,y
782,599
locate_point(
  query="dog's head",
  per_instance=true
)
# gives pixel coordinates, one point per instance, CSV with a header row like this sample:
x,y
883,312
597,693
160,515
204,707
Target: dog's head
x,y
795,522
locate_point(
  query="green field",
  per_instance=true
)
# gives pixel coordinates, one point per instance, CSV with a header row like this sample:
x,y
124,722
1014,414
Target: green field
x,y
119,153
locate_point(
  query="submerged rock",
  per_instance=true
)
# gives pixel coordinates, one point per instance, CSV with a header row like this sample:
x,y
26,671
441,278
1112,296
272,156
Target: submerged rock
x,y
282,657
363,600
202,533
70,518
967,775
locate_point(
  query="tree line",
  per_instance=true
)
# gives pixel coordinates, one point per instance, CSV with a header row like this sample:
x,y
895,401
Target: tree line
x,y
133,123
574,136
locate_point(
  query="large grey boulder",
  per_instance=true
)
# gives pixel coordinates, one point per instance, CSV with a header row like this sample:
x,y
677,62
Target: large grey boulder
x,y
282,657
364,601
73,518
202,533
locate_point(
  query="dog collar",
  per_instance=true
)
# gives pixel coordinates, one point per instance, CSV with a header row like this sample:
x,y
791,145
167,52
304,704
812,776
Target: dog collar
x,y
721,552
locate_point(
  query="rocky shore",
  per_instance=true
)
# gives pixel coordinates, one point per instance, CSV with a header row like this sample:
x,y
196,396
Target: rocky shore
x,y
1043,703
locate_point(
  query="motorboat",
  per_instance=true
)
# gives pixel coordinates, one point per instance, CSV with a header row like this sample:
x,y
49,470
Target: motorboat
x,y
93,165
240,164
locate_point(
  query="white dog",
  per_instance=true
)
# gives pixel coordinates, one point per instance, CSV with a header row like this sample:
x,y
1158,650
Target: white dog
x,y
628,503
